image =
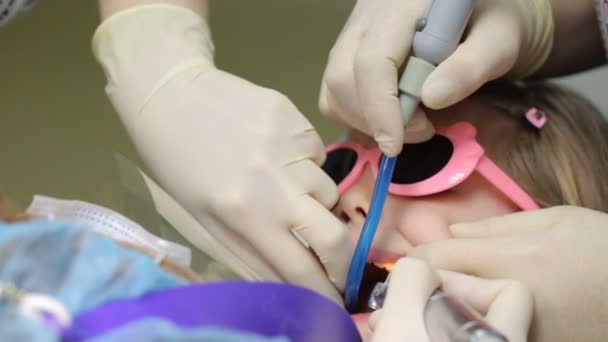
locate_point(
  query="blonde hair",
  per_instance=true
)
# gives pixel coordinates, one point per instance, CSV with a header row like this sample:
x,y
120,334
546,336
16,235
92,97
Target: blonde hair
x,y
563,163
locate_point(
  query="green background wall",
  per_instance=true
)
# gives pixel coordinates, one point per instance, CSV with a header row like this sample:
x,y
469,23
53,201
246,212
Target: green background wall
x,y
58,132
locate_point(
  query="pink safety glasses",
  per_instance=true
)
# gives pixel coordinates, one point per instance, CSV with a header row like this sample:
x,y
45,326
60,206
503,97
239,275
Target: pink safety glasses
x,y
426,168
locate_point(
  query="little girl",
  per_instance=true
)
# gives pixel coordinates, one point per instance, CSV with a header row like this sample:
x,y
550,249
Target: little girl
x,y
510,147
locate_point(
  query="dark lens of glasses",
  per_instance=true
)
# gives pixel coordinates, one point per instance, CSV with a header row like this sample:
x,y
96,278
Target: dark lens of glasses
x,y
339,163
418,162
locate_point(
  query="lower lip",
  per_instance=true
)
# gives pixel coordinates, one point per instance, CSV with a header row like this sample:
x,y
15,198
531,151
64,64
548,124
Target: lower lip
x,y
361,317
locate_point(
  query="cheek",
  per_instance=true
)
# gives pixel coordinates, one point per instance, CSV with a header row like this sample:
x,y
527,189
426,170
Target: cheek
x,y
483,205
479,200
425,225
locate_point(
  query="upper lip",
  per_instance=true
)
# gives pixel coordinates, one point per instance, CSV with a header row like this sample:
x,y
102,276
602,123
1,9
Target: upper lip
x,y
382,257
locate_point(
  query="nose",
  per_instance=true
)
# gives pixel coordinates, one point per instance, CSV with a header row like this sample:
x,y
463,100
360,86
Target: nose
x,y
354,212
354,203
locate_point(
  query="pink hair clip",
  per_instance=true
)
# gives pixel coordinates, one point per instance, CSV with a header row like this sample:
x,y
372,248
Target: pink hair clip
x,y
536,117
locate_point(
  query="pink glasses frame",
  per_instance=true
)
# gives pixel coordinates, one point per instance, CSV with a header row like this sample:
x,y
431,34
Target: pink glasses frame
x,y
468,156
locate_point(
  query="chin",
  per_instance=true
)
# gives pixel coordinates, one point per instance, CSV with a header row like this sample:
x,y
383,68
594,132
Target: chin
x,y
361,322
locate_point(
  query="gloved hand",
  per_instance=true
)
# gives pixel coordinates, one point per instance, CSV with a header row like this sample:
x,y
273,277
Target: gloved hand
x,y
560,253
359,87
507,305
240,158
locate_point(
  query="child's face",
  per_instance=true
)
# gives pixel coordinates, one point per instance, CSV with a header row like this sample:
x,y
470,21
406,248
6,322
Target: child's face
x,y
410,221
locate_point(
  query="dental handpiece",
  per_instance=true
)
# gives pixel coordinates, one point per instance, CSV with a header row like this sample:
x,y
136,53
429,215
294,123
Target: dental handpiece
x,y
446,319
438,34
437,37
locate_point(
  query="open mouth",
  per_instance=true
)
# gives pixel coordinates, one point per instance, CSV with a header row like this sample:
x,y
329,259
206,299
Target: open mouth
x,y
371,276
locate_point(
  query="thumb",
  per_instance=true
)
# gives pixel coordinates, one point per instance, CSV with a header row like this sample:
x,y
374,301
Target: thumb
x,y
410,285
507,304
419,129
512,224
470,256
473,63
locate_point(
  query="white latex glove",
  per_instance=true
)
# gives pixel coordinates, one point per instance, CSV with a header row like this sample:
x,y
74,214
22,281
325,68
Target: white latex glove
x,y
560,253
240,158
507,305
359,87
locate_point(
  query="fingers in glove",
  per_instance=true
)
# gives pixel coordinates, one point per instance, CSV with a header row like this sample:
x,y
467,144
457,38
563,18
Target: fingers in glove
x,y
511,312
249,258
305,142
326,235
382,52
419,129
512,224
312,180
263,215
471,256
338,99
402,318
296,263
225,245
507,305
473,63
331,104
